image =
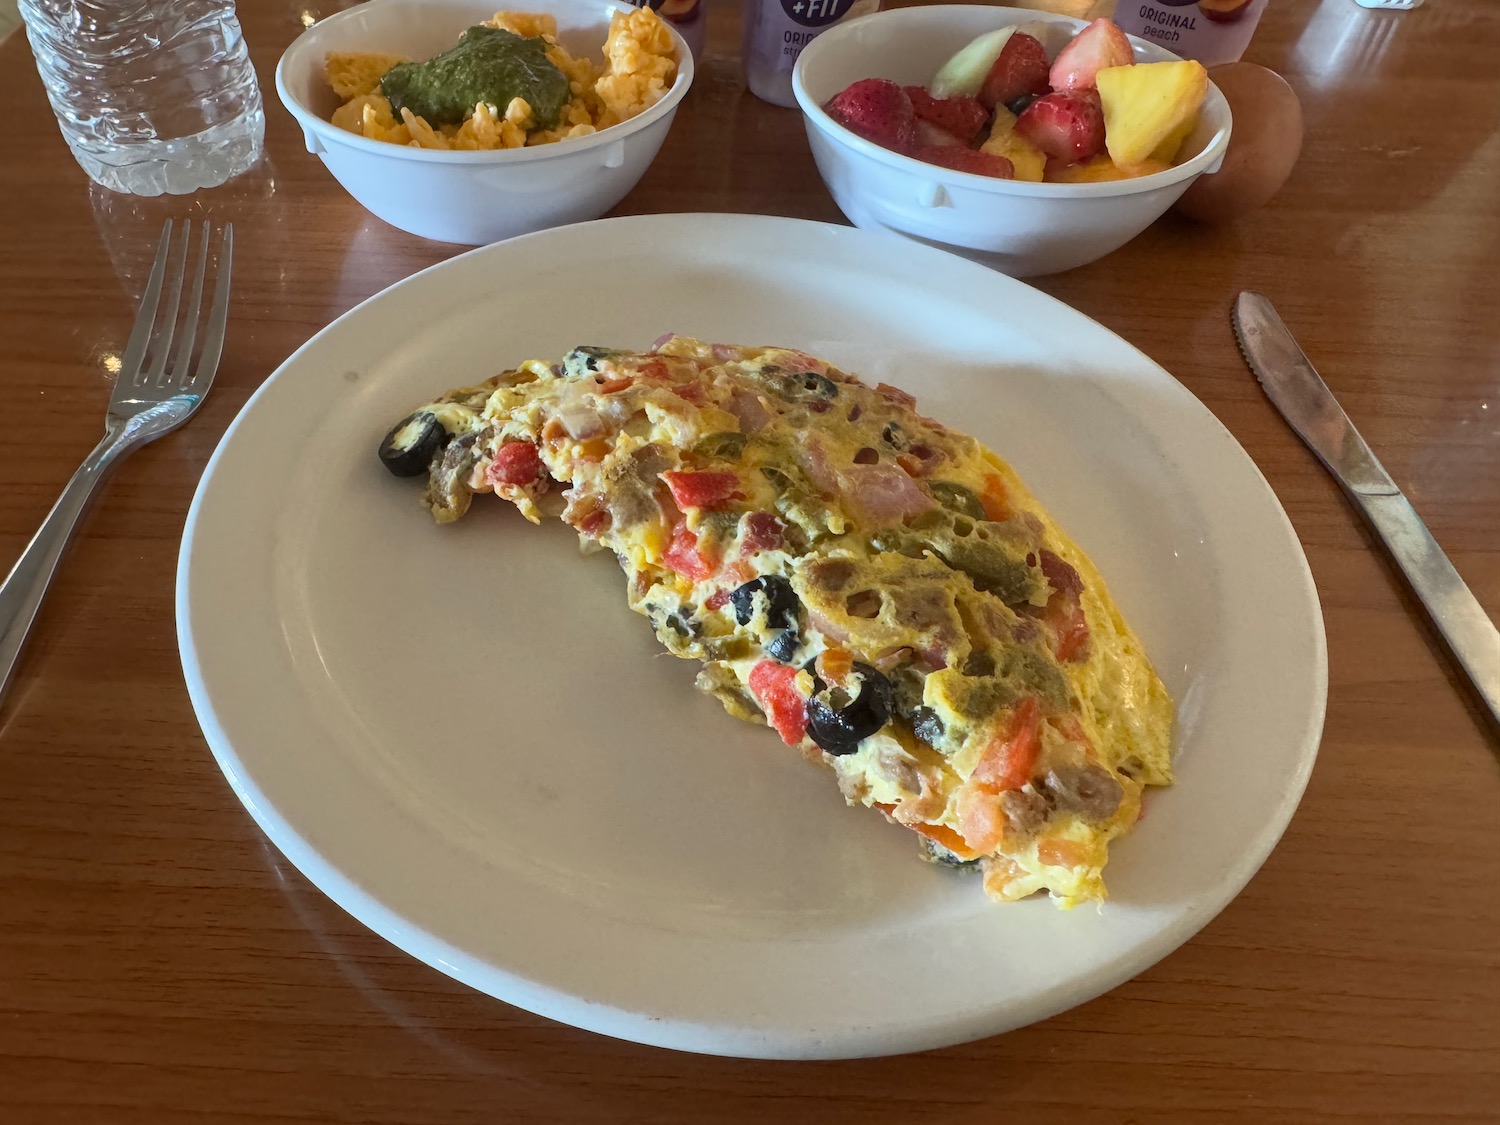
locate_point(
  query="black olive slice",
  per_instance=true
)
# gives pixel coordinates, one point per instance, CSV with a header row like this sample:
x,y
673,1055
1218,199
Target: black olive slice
x,y
839,723
781,601
810,385
584,360
783,646
413,442
926,725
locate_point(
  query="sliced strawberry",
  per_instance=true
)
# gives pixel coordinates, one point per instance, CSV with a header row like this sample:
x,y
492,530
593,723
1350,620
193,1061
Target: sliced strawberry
x,y
1097,46
1067,125
1020,69
961,116
929,135
878,110
966,160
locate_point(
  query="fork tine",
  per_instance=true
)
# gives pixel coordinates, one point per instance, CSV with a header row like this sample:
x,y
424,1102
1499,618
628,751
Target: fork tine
x,y
180,373
166,326
218,314
135,349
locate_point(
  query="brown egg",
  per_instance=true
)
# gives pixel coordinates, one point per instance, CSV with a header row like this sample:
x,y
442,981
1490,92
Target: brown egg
x,y
1264,143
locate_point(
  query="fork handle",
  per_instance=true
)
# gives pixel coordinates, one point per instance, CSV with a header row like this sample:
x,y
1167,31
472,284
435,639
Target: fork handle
x,y
24,588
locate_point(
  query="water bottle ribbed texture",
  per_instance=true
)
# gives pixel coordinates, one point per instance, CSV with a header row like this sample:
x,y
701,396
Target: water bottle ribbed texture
x,y
151,97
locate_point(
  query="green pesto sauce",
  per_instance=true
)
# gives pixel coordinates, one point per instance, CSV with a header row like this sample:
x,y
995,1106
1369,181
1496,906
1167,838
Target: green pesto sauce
x,y
488,64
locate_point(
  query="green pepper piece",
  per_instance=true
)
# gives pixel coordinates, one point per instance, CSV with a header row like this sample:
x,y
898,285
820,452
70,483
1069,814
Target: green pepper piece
x,y
957,498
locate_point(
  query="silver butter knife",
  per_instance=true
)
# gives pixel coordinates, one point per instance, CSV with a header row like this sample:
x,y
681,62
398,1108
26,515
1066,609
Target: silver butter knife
x,y
1306,402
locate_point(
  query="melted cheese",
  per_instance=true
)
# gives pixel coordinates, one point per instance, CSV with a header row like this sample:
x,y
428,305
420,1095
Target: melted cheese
x,y
1024,717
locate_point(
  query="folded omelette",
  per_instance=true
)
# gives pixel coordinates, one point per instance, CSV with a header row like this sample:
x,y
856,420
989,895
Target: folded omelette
x,y
879,589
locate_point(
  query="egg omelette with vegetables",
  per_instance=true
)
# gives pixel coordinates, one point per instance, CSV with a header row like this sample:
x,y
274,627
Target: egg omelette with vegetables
x,y
881,590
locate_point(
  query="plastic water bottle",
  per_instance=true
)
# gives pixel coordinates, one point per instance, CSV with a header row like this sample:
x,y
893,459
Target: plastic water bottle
x,y
152,96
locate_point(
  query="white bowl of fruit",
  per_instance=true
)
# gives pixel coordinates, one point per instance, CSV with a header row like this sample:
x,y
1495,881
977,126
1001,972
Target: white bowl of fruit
x,y
1036,145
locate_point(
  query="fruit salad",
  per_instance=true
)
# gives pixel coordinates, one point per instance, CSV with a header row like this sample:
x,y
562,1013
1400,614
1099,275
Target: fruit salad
x,y
1006,106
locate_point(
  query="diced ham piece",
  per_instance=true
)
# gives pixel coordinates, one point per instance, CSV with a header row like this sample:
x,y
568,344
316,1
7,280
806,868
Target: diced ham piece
x,y
884,492
815,463
746,406
763,531
595,523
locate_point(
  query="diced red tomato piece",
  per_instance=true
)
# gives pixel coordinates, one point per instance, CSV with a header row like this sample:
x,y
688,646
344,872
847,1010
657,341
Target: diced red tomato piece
x,y
684,557
895,395
614,386
1073,637
1064,612
717,600
1008,760
763,531
775,688
516,462
981,820
994,498
703,490
691,392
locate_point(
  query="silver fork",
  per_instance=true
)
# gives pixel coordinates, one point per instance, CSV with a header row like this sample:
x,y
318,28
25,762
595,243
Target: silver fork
x,y
150,398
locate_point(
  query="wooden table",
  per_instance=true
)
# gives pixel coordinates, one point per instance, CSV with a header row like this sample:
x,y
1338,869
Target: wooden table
x,y
161,962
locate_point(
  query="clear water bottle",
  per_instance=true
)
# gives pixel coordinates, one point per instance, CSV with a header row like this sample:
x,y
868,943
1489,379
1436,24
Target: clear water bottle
x,y
152,96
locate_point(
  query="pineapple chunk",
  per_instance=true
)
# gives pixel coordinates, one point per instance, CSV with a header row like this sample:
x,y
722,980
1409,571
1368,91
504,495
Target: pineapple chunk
x,y
1102,169
1028,161
1146,103
1167,151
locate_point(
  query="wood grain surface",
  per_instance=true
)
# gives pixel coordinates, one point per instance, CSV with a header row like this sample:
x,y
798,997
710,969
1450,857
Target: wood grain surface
x,y
160,961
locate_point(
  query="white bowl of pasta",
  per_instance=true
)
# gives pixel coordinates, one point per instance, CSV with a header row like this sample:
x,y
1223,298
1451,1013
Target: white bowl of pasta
x,y
502,170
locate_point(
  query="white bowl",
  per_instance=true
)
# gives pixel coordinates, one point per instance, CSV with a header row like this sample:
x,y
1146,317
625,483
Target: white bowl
x,y
471,198
1023,229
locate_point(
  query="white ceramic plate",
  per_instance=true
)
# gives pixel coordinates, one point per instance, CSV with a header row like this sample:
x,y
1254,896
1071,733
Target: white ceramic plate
x,y
465,738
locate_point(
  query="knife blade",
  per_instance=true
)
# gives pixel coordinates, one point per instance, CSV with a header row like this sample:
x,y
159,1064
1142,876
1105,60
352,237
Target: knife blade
x,y
1304,400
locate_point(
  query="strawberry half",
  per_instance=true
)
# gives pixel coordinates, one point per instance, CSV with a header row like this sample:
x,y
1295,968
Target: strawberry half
x,y
878,110
959,115
929,135
1067,125
1020,69
965,160
1097,46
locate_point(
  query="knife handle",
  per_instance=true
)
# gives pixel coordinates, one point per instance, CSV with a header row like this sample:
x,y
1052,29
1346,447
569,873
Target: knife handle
x,y
1466,628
